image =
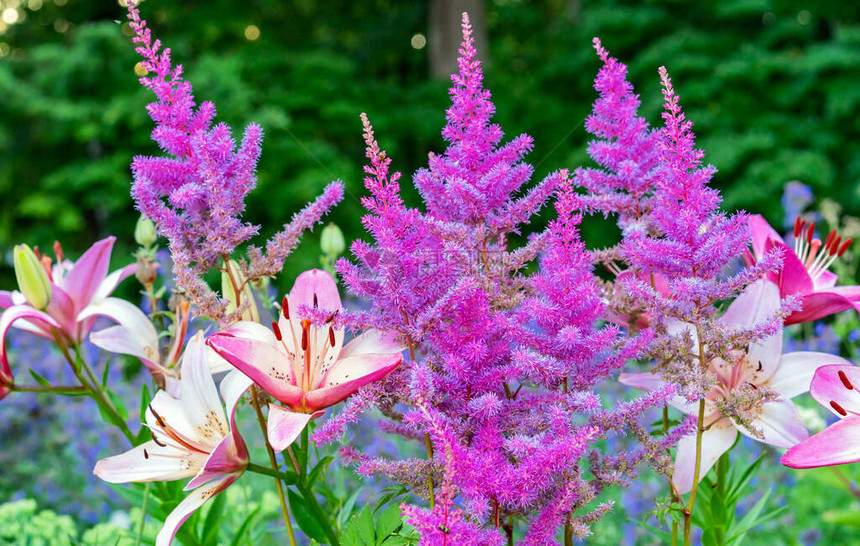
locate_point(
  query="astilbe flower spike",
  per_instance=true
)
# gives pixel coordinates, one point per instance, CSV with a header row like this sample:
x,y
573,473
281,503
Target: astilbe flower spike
x,y
626,148
501,362
196,193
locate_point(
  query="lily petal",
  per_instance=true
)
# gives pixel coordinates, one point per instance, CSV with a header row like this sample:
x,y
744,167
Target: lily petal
x,y
652,382
18,312
758,303
266,365
373,342
821,304
760,233
795,372
348,375
837,384
315,282
134,336
82,282
6,299
715,441
199,395
109,284
837,444
793,278
284,426
150,462
189,504
62,308
226,458
780,424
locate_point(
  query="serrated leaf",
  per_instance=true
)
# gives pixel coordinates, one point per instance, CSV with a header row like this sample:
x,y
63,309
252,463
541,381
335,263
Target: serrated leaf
x,y
389,520
306,521
366,530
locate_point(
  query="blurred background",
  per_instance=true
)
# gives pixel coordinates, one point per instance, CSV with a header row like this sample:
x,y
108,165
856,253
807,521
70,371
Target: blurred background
x,y
773,87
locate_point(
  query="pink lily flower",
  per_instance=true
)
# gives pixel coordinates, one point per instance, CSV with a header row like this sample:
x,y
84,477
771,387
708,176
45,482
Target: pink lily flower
x,y
761,366
191,438
75,288
805,269
304,366
834,387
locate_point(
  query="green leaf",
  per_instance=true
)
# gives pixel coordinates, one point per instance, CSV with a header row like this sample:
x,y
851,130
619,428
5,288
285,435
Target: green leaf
x,y
305,519
751,519
347,508
211,525
39,379
319,469
734,492
389,521
240,532
105,374
665,536
118,404
365,526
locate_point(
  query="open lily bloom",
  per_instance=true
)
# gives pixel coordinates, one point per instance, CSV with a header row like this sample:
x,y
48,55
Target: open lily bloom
x,y
304,366
805,269
761,366
835,388
74,288
136,336
191,438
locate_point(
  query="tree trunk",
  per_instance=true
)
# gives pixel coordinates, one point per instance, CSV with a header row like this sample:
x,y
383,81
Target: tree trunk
x,y
446,35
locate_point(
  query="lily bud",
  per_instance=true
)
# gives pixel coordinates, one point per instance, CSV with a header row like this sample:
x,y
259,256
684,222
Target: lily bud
x,y
229,291
332,242
144,232
32,277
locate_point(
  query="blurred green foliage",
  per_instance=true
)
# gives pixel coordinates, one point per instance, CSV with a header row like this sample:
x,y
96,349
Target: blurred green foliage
x,y
771,85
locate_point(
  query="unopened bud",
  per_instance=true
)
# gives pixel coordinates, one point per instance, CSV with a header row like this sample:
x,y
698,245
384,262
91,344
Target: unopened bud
x,y
32,278
144,232
332,242
231,278
146,270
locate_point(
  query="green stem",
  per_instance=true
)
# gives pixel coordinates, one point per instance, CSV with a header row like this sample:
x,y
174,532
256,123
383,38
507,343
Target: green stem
x,y
257,469
285,511
672,489
51,389
568,534
688,512
307,491
100,397
142,514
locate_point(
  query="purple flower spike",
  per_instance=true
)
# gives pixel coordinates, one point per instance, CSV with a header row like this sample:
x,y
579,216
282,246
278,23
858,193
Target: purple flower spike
x,y
196,195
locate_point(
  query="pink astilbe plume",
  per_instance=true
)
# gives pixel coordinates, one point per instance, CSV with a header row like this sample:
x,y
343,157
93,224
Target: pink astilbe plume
x,y
626,148
503,364
196,193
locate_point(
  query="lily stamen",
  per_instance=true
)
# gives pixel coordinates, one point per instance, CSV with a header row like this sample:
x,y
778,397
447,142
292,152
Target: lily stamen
x,y
817,257
172,434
